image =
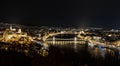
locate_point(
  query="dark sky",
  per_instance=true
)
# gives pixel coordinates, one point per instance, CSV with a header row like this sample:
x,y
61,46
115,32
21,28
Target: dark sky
x,y
86,13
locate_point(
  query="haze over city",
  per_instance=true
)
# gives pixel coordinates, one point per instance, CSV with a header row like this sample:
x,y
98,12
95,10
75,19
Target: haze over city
x,y
62,13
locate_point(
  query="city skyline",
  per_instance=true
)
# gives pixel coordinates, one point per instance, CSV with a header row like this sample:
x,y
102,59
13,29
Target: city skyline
x,y
58,46
60,33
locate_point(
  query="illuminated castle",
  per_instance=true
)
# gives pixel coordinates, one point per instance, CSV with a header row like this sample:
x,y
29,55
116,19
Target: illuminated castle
x,y
11,35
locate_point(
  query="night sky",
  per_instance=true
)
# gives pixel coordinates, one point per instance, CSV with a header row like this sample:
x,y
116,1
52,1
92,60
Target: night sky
x,y
66,13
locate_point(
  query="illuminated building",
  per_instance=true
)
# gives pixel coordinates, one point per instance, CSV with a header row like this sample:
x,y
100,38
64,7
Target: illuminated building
x,y
11,36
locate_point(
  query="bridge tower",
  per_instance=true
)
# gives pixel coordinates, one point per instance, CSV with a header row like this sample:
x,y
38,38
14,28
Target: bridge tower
x,y
75,44
53,40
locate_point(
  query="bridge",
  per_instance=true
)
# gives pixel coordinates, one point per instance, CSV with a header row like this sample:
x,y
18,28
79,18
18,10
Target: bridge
x,y
62,32
73,42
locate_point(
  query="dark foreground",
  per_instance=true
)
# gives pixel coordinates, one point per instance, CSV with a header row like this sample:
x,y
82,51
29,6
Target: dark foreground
x,y
59,57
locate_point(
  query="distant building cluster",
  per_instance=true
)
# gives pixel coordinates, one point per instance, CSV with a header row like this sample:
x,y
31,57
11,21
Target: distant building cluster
x,y
13,36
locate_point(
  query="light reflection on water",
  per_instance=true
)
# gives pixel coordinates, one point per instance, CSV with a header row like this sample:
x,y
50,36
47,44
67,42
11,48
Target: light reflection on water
x,y
95,52
82,54
92,50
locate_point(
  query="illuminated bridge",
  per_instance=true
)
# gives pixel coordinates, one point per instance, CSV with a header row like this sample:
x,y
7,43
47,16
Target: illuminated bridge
x,y
73,39
44,38
62,41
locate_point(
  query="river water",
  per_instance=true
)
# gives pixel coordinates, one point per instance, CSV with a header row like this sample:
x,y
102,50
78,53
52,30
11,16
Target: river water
x,y
83,55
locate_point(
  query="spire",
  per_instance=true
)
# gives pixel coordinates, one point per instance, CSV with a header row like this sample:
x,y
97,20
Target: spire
x,y
10,27
19,31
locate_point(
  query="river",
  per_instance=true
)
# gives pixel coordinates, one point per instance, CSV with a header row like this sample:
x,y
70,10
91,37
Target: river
x,y
84,55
